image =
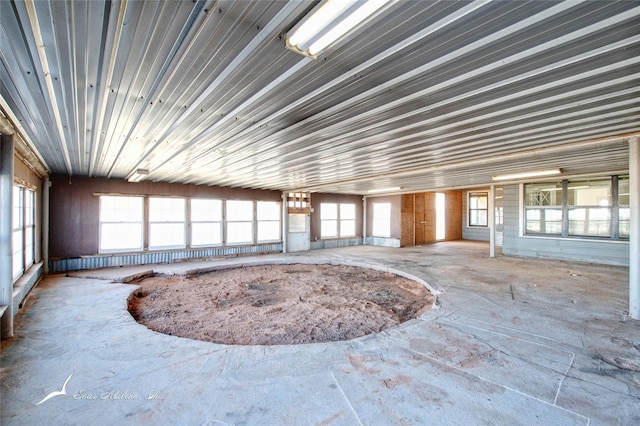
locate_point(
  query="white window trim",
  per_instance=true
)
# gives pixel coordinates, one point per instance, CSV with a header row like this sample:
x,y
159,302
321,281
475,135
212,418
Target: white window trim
x,y
469,194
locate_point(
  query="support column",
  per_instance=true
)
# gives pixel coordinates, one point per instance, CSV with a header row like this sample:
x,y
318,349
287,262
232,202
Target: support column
x,y
634,234
6,247
364,221
285,221
491,211
45,224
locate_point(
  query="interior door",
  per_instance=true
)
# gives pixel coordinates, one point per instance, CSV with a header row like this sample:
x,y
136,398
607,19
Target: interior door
x,y
298,234
425,217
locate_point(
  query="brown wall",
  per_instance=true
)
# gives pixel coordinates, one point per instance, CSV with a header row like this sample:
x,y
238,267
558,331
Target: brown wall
x,y
418,217
396,213
407,224
318,198
74,207
453,209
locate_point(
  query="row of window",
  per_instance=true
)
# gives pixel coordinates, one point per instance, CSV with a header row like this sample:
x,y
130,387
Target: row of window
x,y
23,230
181,222
580,208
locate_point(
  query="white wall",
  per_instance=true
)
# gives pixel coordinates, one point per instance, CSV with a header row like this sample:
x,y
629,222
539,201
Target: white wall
x,y
583,250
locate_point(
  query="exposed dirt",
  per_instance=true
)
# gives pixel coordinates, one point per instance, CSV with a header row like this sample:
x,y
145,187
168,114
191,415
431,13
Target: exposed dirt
x,y
278,304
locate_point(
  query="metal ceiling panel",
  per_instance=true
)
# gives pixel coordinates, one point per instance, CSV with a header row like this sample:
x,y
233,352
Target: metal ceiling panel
x,y
427,95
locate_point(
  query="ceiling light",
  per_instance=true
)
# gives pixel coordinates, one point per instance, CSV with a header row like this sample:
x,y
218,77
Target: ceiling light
x,y
523,175
395,188
328,22
138,175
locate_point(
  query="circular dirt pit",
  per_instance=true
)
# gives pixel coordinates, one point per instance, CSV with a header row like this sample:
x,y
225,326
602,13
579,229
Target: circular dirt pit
x,y
278,304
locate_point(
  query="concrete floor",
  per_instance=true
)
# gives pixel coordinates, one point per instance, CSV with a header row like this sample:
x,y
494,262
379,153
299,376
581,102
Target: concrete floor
x,y
511,341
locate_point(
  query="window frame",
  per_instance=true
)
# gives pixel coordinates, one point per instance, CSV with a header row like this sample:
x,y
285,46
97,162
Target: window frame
x,y
102,222
240,221
470,209
376,220
329,220
343,223
268,221
217,224
339,223
167,221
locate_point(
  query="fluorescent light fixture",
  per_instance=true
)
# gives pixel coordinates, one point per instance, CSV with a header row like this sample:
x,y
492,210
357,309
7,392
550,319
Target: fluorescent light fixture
x,y
138,175
523,175
328,22
395,188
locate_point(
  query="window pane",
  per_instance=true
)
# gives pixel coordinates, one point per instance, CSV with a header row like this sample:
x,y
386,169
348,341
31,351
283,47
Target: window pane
x,y
329,228
17,207
543,194
478,218
297,223
624,222
328,211
589,193
268,231
544,221
347,211
206,233
347,228
239,232
166,235
28,207
121,236
28,245
17,255
203,210
166,209
239,210
478,201
593,221
268,210
623,191
120,209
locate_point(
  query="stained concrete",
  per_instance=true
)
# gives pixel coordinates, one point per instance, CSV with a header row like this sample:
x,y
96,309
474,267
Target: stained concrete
x,y
511,341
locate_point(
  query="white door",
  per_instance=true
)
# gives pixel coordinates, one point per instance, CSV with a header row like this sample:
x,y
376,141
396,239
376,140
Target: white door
x,y
298,234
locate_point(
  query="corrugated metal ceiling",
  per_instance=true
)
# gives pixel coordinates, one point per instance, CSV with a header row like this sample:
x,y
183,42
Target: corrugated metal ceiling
x,y
428,95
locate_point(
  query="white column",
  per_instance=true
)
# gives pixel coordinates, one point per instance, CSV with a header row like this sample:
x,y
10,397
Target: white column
x,y
364,221
634,234
6,223
285,221
491,210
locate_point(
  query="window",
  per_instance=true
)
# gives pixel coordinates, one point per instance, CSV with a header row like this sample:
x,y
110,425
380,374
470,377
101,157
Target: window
x,y
543,208
624,214
121,223
206,222
589,208
268,213
579,208
328,220
239,222
347,220
18,231
381,220
478,208
337,220
29,227
166,222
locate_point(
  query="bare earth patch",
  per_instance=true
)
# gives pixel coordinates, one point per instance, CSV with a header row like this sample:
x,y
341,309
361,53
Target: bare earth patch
x,y
278,304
